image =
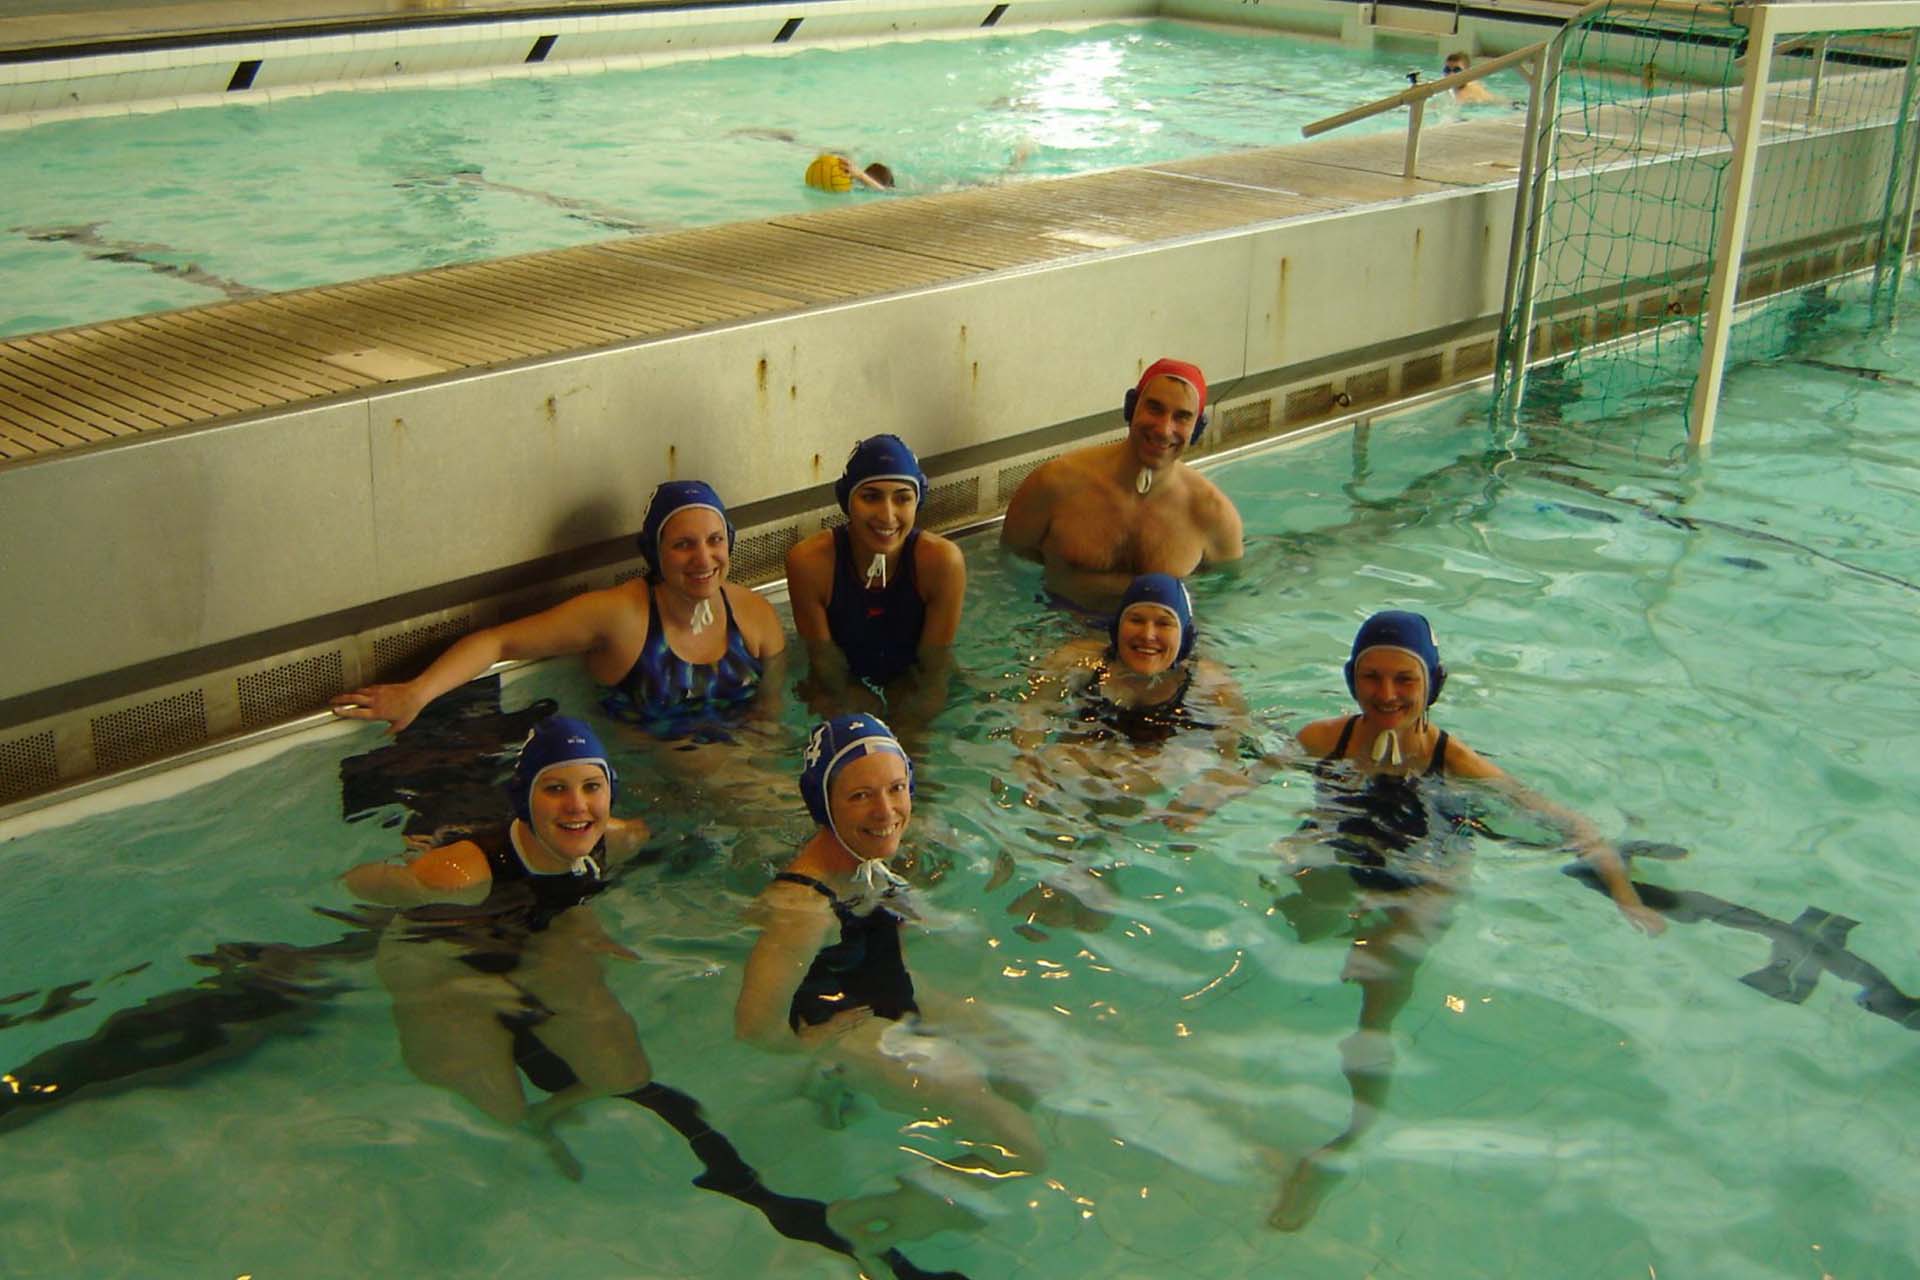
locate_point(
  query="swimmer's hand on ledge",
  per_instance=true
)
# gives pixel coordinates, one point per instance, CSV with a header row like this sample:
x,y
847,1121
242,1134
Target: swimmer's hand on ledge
x,y
397,704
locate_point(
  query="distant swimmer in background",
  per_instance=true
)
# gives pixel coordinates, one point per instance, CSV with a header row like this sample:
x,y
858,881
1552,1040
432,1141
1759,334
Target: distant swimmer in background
x,y
679,648
833,172
1386,852
494,942
1469,93
877,600
1099,516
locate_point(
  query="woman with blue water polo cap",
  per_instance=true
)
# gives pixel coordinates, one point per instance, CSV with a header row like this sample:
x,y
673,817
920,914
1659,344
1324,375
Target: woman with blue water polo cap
x,y
828,977
677,644
877,600
1385,852
1110,719
495,942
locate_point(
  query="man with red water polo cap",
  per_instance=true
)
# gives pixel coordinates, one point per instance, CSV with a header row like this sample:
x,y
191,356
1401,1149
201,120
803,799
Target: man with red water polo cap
x,y
1098,516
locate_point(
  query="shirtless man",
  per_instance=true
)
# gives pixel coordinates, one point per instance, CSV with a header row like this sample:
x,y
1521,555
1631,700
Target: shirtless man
x,y
1099,516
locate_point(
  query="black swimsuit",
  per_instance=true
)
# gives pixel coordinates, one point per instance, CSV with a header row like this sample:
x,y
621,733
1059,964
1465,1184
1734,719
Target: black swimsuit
x,y
1382,830
1154,723
864,970
520,902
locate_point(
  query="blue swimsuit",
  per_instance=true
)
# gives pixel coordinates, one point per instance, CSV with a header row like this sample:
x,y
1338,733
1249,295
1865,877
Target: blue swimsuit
x,y
879,631
663,690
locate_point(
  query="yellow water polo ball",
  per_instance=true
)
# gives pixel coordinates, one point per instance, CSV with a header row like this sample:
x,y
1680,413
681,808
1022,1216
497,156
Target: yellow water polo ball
x,y
829,173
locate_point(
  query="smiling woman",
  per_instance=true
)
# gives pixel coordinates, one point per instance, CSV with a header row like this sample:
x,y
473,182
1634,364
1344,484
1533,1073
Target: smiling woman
x,y
494,945
828,977
877,600
658,641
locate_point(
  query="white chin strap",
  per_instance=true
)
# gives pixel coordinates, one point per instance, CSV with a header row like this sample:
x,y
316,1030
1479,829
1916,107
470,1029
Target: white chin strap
x,y
878,569
1145,480
702,617
875,881
1387,745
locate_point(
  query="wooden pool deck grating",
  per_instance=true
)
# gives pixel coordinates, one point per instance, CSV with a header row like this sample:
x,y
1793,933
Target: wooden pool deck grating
x,y
92,385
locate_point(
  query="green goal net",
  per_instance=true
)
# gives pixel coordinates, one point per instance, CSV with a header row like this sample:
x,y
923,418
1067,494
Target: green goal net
x,y
1635,183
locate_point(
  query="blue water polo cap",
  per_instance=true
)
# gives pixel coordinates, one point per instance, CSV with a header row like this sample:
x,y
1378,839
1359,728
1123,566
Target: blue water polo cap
x,y
668,501
879,458
1410,634
554,742
1169,593
831,747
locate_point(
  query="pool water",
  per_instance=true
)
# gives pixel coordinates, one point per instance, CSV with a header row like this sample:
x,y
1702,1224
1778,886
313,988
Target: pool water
x,y
1715,653
110,217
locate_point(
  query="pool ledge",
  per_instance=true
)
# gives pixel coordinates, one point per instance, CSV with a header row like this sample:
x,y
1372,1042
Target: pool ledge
x,y
237,488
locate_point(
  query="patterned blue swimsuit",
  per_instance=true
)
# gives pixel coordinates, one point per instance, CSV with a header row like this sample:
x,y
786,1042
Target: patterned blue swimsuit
x,y
668,695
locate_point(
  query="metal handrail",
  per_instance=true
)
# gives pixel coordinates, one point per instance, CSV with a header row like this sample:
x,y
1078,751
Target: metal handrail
x,y
1421,92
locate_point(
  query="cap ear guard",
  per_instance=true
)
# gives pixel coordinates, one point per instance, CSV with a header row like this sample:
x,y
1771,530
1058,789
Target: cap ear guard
x,y
1410,633
1133,399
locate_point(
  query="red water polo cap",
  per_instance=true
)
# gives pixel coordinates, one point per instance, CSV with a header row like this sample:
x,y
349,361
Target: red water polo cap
x,y
1180,369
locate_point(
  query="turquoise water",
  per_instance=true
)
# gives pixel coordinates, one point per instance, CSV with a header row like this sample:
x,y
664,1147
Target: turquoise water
x,y
1713,653
347,185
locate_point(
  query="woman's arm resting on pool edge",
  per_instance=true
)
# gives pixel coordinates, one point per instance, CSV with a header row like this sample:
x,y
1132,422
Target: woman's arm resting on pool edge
x,y
578,625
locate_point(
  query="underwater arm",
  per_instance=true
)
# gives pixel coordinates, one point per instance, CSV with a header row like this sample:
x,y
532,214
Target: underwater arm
x,y
1584,838
1236,774
1225,537
809,588
942,574
625,836
791,936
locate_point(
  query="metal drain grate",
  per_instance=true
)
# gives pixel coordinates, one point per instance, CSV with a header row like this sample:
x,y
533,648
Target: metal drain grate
x,y
1367,388
28,765
1246,420
162,727
1010,477
1420,373
394,654
283,692
1473,359
946,503
762,556
1309,403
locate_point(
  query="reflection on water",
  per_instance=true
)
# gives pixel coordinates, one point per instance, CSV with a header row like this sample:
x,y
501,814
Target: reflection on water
x,y
1703,655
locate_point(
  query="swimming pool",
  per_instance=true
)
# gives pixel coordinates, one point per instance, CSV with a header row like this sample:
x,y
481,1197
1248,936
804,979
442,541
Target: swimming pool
x,y
113,217
1712,653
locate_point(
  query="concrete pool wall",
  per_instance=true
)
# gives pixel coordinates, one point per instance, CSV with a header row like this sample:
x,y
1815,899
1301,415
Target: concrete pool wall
x,y
170,588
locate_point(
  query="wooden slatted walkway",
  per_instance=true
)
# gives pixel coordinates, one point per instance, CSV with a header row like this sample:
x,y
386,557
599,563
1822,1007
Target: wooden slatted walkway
x,y
90,386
